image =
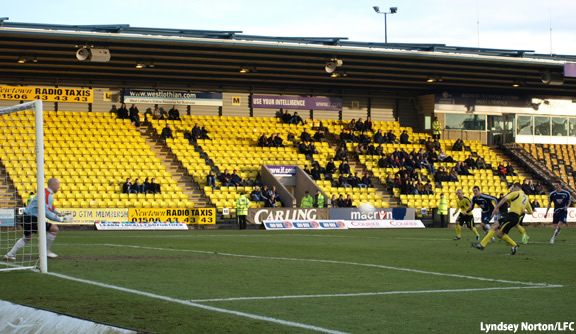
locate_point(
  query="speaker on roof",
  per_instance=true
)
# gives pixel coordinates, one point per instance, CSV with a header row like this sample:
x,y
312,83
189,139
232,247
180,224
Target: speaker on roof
x,y
100,55
82,54
332,65
555,79
96,55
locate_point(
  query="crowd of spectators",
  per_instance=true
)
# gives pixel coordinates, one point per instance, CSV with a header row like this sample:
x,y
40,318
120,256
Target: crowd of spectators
x,y
196,133
148,187
267,195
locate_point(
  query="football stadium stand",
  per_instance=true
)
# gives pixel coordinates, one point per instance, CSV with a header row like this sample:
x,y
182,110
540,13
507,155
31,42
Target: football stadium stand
x,y
93,154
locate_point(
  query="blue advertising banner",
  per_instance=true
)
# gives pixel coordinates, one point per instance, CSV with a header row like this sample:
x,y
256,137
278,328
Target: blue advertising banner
x,y
172,97
296,102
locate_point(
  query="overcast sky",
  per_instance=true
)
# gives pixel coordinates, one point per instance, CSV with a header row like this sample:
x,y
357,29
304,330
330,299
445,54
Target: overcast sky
x,y
544,26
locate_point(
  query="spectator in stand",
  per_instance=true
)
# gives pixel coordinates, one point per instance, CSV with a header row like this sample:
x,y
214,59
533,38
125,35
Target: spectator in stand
x,y
420,188
502,171
315,172
458,145
404,138
270,202
341,154
303,148
256,195
347,136
527,188
341,202
278,142
389,182
453,177
352,125
343,181
296,119
196,132
135,115
167,132
146,186
379,137
123,112
174,114
443,157
211,179
481,163
437,145
391,137
428,189
382,163
236,179
510,169
470,163
368,124
464,169
137,187
127,187
272,191
330,167
359,126
397,181
305,136
354,180
319,136
539,189
344,167
286,117
155,187
312,148
348,202
226,179
429,145
536,204
333,201
366,180
157,114
263,140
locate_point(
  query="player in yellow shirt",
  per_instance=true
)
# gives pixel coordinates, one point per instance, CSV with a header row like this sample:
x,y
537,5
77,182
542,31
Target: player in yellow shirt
x,y
518,206
465,217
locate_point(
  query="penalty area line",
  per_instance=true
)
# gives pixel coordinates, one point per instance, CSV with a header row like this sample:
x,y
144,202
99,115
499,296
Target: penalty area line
x,y
372,293
193,304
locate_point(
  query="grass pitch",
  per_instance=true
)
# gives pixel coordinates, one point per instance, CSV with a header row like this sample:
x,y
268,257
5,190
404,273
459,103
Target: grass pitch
x,y
355,281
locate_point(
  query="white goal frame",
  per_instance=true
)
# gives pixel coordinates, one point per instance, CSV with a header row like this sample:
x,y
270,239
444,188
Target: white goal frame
x,y
36,106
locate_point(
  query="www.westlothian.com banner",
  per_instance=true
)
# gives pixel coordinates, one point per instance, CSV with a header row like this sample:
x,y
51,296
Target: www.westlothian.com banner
x,y
172,97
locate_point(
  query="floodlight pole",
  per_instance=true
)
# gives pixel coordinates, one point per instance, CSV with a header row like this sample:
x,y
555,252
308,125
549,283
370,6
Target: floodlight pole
x,y
392,11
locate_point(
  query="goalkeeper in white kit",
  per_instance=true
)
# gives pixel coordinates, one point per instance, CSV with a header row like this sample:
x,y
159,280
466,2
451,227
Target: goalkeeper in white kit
x,y
30,221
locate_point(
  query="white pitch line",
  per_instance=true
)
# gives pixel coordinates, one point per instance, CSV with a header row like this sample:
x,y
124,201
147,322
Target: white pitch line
x,y
371,293
328,261
209,308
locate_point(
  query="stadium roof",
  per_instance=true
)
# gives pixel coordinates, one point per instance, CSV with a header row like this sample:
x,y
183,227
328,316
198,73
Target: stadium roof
x,y
213,59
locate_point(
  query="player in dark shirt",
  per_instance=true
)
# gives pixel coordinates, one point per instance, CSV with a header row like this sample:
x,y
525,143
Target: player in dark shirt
x,y
561,199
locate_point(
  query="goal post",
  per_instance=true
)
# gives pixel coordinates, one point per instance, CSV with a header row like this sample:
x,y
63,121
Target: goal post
x,y
22,171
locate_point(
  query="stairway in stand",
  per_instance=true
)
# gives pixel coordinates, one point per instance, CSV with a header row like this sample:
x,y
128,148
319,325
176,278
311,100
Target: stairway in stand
x,y
9,197
359,167
168,159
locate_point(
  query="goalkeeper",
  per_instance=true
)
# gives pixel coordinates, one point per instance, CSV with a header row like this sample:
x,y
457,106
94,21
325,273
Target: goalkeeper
x,y
30,220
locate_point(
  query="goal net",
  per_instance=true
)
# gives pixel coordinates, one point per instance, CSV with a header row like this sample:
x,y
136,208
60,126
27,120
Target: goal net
x,y
21,178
